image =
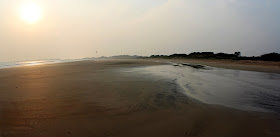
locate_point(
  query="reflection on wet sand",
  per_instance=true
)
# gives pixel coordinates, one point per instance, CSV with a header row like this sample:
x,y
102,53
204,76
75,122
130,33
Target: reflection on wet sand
x,y
255,91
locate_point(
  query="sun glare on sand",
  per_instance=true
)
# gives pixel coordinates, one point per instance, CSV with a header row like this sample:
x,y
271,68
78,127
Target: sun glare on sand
x,y
30,13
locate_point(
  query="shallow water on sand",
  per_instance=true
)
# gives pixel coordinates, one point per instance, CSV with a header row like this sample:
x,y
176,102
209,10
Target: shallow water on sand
x,y
246,90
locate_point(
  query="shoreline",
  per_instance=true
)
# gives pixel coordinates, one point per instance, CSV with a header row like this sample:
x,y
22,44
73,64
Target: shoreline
x,y
16,64
246,65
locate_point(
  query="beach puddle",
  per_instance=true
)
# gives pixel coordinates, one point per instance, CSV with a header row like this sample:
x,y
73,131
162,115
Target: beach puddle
x,y
246,90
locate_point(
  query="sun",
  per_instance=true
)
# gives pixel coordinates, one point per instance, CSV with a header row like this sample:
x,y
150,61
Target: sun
x,y
31,13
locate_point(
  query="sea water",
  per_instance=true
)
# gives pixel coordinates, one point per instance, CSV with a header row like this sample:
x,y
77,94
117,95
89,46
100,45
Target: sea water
x,y
33,62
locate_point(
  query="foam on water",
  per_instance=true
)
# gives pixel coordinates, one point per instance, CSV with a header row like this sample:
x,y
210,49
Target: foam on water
x,y
246,90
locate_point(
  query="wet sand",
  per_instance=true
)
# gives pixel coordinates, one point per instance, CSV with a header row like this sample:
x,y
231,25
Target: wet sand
x,y
95,99
247,65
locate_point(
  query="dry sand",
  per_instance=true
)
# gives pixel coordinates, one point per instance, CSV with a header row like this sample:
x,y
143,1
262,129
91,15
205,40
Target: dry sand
x,y
94,99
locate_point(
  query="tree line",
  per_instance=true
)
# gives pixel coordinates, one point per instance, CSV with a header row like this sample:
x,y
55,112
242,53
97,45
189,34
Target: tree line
x,y
212,55
203,55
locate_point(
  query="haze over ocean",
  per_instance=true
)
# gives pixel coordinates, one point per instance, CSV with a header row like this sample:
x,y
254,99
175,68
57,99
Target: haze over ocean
x,y
139,27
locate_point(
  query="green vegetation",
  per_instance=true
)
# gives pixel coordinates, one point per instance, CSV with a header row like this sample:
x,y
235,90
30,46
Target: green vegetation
x,y
203,55
211,55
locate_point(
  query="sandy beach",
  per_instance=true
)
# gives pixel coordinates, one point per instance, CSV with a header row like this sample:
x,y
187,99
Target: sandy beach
x,y
98,98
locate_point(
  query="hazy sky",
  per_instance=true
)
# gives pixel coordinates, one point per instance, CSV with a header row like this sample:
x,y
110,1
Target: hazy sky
x,y
79,28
